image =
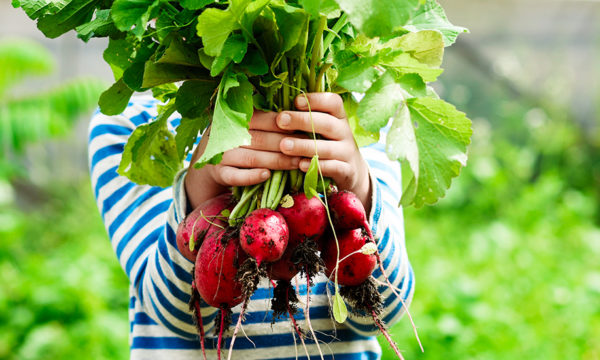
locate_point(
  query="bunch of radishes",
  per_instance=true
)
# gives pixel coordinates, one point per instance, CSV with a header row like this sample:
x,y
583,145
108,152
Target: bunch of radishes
x,y
298,234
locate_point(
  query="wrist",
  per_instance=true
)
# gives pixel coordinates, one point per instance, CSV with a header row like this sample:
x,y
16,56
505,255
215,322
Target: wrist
x,y
201,186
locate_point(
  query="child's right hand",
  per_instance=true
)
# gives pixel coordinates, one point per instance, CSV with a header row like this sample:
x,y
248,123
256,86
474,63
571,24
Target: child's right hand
x,y
246,165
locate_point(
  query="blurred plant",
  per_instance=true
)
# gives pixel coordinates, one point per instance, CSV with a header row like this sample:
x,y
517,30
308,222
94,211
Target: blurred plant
x,y
62,294
507,263
32,116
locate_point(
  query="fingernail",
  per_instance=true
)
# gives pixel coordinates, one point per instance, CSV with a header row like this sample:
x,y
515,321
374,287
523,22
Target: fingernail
x,y
300,101
304,164
264,175
284,119
287,144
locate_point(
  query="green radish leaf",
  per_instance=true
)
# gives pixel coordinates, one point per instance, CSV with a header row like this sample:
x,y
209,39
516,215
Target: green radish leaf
x,y
355,73
74,14
254,64
231,118
431,16
401,145
386,96
205,60
128,14
193,102
118,55
361,136
101,26
442,134
234,50
180,54
195,4
150,155
316,8
114,100
40,8
187,132
165,92
340,312
406,64
412,85
194,97
427,46
158,74
311,178
215,25
376,17
134,76
291,22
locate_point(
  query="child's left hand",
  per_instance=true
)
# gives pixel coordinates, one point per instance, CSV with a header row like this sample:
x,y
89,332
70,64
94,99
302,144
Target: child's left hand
x,y
339,157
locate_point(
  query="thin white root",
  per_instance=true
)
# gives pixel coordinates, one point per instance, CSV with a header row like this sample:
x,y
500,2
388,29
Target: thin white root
x,y
396,292
307,317
237,327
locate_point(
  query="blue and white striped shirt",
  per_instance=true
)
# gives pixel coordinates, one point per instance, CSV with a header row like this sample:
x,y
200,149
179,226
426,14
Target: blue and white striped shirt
x,y
142,220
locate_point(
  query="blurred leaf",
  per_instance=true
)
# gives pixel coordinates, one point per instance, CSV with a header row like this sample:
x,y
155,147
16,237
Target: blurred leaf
x,y
20,58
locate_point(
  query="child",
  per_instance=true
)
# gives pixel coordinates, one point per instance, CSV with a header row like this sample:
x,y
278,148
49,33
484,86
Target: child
x,y
141,222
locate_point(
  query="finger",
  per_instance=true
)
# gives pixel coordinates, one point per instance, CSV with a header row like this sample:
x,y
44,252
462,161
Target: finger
x,y
232,176
324,124
326,149
325,102
340,171
265,121
265,140
249,158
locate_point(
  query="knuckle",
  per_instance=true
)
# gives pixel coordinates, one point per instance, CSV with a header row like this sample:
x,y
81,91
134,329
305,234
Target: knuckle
x,y
226,176
307,148
249,160
257,138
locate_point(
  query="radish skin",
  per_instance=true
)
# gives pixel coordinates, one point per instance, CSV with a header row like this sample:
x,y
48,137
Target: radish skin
x,y
197,224
216,268
354,267
264,235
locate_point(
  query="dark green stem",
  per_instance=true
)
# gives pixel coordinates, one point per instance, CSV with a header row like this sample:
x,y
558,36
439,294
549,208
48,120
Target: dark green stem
x,y
285,89
342,21
265,193
317,54
279,194
320,85
274,188
243,204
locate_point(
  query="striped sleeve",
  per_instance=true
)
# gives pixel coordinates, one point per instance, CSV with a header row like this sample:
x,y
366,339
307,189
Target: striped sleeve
x,y
386,221
141,222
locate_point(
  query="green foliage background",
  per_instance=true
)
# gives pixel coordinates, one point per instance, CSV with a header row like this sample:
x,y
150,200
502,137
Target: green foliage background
x,y
506,265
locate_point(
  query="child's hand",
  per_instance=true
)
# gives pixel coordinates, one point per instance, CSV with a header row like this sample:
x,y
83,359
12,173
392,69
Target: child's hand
x,y
339,157
246,165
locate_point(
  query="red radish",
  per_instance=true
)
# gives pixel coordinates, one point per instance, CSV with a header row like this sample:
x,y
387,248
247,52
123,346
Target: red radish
x,y
205,218
347,210
306,218
284,268
264,235
353,269
216,268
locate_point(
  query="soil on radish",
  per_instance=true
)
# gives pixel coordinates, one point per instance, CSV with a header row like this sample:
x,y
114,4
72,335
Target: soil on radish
x,y
363,297
284,300
248,275
307,259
